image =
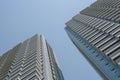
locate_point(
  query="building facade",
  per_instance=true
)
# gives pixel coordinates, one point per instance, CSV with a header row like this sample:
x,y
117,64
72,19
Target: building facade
x,y
95,31
33,59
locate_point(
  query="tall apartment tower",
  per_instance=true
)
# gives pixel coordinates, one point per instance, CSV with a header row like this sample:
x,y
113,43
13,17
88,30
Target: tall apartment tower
x,y
95,31
33,59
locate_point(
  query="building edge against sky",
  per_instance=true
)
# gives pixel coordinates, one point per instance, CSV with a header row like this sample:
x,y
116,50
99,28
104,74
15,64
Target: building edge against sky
x,y
32,59
96,34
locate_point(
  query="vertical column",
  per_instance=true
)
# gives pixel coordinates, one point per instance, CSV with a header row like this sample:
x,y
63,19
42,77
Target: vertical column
x,y
46,65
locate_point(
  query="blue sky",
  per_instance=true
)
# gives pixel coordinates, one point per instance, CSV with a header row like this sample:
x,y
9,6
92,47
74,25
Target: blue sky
x,y
21,19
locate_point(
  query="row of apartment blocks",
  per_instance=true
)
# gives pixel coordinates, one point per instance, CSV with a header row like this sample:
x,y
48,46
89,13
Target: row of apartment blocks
x,y
95,31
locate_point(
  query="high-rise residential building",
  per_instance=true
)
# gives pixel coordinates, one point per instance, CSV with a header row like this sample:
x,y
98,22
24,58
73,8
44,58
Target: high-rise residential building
x,y
95,31
32,59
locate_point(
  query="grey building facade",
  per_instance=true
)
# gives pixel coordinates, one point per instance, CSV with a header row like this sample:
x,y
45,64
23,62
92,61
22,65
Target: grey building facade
x,y
33,59
95,31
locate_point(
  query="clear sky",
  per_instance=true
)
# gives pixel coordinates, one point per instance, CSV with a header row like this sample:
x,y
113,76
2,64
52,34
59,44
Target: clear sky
x,y
21,19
